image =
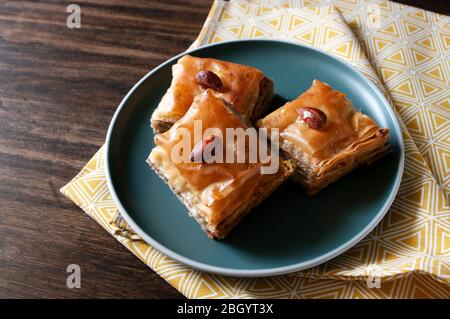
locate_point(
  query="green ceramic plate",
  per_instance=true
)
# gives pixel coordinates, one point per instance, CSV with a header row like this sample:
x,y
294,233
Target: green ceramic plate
x,y
290,231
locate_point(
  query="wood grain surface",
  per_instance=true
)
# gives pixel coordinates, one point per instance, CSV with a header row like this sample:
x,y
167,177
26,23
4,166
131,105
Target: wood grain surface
x,y
59,88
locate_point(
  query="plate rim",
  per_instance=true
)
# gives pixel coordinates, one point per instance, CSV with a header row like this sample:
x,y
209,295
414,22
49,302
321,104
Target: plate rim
x,y
266,271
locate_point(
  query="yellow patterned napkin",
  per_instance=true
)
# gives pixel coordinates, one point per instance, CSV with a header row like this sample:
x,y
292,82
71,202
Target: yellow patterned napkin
x,y
405,52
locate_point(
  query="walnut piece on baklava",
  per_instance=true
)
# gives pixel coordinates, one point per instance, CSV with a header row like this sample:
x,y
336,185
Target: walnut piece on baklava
x,y
245,88
217,194
324,136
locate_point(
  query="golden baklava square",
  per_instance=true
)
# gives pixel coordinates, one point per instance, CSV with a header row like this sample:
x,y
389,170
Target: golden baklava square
x,y
245,89
325,136
217,194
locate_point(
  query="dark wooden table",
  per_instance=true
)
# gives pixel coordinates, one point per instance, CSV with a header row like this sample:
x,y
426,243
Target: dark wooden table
x,y
58,91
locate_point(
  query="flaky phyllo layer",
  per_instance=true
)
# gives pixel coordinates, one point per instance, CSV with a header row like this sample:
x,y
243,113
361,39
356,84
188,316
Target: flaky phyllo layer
x,y
217,195
346,139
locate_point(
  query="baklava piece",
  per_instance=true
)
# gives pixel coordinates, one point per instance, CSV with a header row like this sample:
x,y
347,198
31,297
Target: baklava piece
x,y
217,195
325,137
246,89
